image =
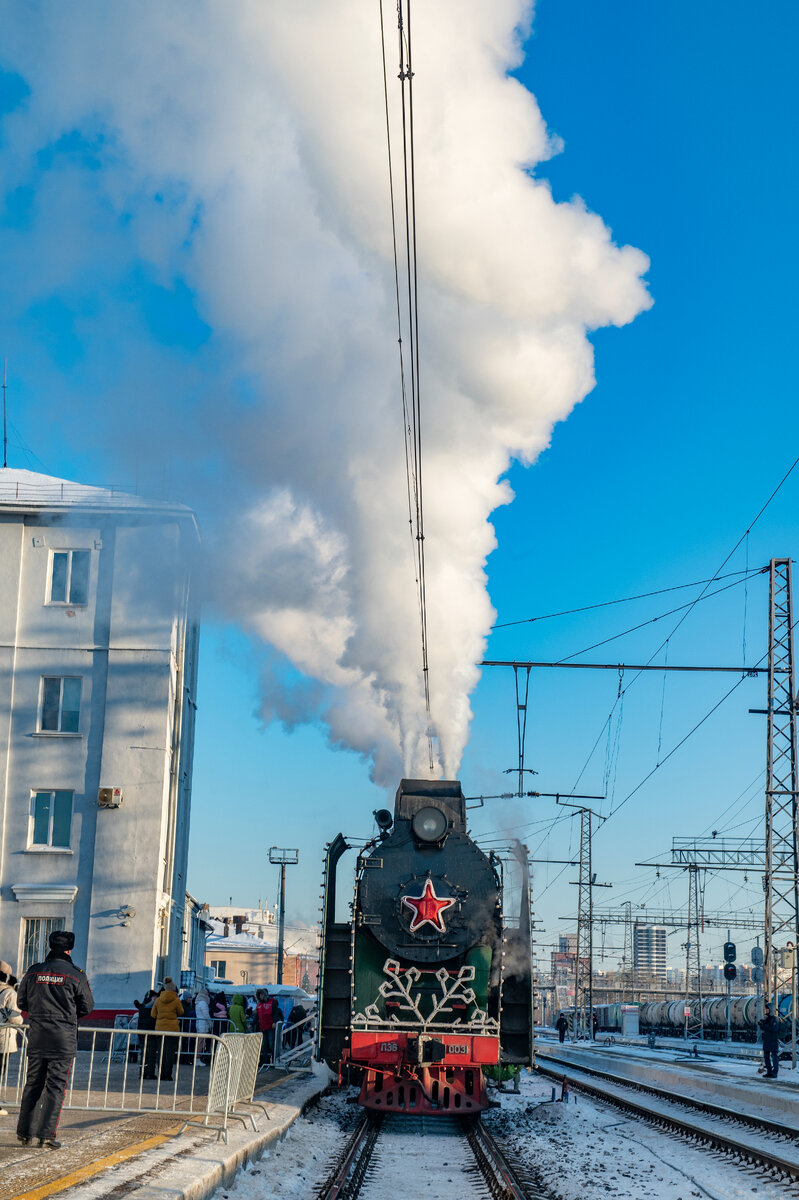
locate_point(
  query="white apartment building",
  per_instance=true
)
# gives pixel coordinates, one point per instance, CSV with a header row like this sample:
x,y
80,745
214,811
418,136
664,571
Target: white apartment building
x,y
98,661
649,949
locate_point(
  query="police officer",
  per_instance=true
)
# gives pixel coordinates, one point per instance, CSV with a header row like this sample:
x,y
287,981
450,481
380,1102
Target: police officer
x,y
770,1028
55,994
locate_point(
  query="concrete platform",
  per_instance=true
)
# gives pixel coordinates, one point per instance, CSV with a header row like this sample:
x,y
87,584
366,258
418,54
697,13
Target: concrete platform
x,y
142,1156
730,1082
710,1047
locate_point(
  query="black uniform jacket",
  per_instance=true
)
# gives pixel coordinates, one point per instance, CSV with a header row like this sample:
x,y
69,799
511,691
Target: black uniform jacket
x,y
770,1027
55,994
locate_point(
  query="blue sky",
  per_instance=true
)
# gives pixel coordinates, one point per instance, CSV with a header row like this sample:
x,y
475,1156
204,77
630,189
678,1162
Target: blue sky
x,y
677,123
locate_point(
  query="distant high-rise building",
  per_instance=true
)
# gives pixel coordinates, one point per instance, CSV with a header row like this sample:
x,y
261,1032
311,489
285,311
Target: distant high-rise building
x,y
649,949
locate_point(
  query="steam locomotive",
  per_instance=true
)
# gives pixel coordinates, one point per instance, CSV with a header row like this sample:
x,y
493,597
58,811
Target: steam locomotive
x,y
430,982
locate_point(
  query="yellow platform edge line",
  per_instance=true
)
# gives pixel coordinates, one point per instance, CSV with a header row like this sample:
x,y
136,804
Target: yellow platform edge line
x,y
83,1173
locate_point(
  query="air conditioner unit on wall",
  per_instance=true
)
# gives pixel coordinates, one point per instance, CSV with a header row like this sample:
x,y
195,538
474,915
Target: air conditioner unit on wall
x,y
109,797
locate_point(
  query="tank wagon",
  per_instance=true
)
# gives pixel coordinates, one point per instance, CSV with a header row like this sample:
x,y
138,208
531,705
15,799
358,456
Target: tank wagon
x,y
667,1017
430,982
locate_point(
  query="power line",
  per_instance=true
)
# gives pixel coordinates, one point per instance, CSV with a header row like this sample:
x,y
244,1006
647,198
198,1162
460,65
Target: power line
x,y
674,749
716,575
406,424
412,429
660,617
568,612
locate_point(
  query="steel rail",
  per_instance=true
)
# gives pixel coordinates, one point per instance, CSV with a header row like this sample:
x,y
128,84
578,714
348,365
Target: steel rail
x,y
713,1110
503,1180
755,1155
347,1175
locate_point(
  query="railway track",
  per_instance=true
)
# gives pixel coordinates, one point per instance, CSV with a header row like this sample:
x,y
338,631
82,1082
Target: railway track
x,y
454,1157
776,1150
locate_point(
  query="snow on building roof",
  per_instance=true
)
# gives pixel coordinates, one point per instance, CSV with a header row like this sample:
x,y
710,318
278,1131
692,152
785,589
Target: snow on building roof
x,y
252,916
239,941
299,939
25,490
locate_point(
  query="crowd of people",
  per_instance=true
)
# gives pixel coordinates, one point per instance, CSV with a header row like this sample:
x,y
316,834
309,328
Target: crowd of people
x,y
200,1012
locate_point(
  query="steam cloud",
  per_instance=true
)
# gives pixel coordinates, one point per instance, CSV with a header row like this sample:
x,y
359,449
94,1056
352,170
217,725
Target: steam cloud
x,y
235,153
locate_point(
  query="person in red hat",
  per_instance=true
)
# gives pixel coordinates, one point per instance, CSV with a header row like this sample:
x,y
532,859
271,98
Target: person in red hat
x,y
55,994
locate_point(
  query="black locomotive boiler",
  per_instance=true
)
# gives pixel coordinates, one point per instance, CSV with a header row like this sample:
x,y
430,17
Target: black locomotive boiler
x,y
430,982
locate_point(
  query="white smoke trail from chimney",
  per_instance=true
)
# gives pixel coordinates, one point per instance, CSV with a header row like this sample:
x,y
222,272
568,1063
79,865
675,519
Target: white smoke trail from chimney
x,y
242,150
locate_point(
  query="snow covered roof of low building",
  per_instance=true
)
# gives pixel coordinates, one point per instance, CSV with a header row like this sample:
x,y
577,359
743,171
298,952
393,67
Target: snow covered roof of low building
x,y
241,942
300,939
22,490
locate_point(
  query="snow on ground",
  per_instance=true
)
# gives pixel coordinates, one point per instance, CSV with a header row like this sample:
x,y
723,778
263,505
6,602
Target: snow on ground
x,y
586,1151
295,1168
748,1091
577,1151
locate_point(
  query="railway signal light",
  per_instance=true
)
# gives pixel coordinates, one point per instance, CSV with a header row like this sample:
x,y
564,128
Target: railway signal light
x,y
729,953
730,971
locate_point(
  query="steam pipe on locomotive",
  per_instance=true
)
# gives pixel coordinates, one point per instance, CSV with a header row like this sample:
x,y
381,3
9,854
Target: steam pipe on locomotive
x,y
431,980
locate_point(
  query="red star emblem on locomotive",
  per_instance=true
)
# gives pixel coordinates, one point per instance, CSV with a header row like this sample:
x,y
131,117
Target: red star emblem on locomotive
x,y
427,909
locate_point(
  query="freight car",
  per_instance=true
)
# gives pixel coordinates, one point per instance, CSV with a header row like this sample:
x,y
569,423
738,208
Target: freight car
x,y
666,1018
430,981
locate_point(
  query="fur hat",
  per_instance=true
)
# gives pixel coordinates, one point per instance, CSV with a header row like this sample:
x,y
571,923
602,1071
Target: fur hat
x,y
6,968
62,939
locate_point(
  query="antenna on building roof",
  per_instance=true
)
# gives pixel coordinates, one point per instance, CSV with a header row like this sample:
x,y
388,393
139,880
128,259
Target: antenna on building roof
x,y
5,426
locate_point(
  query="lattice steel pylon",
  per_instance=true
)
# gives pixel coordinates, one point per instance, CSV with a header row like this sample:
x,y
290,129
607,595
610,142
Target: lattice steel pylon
x,y
695,905
584,960
628,960
781,883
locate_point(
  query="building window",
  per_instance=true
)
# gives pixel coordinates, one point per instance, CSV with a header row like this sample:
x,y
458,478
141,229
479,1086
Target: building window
x,y
69,577
60,703
36,938
218,966
51,819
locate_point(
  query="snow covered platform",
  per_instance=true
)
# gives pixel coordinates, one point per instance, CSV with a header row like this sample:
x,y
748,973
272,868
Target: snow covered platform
x,y
142,1157
733,1083
708,1048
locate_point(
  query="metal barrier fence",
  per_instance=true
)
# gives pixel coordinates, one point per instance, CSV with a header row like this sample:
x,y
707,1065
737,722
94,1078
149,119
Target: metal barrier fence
x,y
291,1049
193,1075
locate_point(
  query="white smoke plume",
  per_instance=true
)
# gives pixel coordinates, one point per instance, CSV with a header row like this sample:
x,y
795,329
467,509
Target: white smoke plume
x,y
238,150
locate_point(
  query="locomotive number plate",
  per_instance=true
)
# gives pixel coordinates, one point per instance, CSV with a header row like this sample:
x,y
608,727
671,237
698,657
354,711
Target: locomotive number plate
x,y
388,1047
457,1049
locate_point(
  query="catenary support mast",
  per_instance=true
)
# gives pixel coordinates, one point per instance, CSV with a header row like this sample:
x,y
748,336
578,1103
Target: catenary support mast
x,y
584,959
782,885
584,962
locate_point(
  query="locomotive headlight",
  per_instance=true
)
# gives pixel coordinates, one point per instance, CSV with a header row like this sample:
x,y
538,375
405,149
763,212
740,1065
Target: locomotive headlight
x,y
429,824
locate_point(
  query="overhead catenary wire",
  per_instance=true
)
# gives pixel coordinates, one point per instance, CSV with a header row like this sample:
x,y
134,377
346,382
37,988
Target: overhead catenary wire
x,y
406,421
674,749
660,617
686,610
569,612
744,535
413,427
615,808
714,577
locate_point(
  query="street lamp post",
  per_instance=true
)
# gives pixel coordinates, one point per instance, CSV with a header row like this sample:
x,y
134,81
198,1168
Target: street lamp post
x,y
282,858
